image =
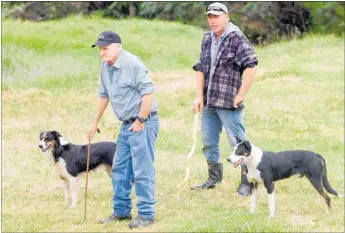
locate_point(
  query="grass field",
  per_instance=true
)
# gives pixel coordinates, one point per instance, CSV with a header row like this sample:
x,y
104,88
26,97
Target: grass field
x,y
50,80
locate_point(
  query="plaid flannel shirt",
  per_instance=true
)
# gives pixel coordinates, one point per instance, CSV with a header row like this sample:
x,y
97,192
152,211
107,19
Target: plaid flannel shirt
x,y
222,83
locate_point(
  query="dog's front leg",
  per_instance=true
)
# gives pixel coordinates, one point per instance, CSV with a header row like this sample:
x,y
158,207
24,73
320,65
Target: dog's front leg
x,y
66,194
269,185
109,171
272,204
253,200
73,187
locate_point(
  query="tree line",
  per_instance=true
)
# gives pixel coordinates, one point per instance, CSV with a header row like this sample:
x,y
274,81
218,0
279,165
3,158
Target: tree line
x,y
262,22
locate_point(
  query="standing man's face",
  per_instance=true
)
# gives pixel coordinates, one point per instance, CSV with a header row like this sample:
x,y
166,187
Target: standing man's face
x,y
218,23
107,53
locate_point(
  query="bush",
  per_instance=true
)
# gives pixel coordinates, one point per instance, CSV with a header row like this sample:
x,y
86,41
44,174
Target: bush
x,y
326,17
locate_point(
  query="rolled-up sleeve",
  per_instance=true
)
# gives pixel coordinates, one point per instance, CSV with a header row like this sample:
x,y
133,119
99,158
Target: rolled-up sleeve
x,y
143,83
199,65
245,55
102,92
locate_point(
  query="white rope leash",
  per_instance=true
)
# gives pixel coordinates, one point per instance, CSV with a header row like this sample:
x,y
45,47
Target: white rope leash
x,y
189,155
193,147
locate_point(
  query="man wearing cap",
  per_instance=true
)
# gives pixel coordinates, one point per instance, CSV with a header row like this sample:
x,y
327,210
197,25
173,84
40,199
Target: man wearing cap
x,y
125,82
225,71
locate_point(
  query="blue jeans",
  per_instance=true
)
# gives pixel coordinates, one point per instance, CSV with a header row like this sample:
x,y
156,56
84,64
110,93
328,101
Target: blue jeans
x,y
212,121
133,165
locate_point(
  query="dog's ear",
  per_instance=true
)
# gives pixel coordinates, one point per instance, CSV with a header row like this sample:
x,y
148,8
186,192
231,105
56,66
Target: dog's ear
x,y
247,144
57,134
238,140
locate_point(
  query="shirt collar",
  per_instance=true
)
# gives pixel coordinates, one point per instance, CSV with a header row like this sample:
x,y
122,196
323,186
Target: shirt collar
x,y
118,61
225,33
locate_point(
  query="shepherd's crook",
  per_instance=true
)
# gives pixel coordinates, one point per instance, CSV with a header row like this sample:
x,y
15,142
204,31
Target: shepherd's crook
x,y
87,173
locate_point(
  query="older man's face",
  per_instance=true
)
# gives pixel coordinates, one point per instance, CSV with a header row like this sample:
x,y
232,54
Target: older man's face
x,y
218,23
107,53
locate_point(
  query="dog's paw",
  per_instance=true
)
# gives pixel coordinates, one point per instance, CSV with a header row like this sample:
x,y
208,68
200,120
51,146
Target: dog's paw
x,y
271,216
251,211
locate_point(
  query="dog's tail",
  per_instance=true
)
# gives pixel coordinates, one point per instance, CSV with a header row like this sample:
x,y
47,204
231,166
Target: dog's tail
x,y
328,186
325,181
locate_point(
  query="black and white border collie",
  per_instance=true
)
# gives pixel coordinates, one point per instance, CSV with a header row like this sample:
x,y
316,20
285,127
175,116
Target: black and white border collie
x,y
70,160
267,167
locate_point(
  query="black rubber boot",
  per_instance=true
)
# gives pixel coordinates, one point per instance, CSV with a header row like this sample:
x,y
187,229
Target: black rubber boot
x,y
215,176
245,188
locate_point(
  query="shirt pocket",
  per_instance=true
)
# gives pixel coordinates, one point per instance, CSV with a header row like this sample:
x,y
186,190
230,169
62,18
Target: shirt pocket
x,y
227,56
121,91
226,61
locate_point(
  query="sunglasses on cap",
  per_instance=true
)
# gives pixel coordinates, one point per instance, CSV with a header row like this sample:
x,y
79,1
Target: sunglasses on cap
x,y
214,8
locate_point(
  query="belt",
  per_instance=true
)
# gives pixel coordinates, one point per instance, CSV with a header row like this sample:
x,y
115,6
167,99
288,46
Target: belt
x,y
131,120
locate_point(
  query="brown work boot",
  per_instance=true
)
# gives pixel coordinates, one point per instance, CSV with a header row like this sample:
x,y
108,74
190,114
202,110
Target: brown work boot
x,y
140,222
113,218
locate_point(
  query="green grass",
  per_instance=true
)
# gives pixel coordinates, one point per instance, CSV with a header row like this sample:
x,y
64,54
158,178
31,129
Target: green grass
x,y
163,46
50,79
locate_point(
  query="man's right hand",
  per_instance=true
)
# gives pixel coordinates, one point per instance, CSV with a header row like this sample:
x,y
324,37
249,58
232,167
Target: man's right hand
x,y
198,104
91,131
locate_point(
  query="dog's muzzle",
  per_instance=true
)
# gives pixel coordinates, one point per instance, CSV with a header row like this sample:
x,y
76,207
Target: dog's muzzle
x,y
235,163
44,149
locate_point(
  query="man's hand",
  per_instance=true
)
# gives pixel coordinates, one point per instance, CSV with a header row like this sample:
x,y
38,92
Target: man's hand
x,y
91,131
198,104
137,126
238,99
248,79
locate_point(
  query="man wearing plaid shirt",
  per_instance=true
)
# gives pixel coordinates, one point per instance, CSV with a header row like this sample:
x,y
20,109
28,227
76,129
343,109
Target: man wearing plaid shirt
x,y
225,71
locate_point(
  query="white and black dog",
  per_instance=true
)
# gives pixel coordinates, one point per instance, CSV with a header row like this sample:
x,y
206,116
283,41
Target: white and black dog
x,y
70,160
267,167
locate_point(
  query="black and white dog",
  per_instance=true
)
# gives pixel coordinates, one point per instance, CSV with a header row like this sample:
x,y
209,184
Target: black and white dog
x,y
267,167
70,160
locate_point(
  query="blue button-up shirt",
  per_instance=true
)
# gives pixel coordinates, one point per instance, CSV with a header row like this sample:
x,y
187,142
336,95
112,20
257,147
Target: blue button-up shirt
x,y
124,83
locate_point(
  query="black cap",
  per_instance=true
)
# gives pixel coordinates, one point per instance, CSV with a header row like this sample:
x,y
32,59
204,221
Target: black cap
x,y
106,38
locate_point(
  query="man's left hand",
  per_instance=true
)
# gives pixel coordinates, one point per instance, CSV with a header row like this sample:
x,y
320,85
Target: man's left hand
x,y
238,99
137,126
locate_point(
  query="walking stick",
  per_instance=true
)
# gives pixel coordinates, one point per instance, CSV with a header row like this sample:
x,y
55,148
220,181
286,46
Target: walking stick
x,y
87,173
